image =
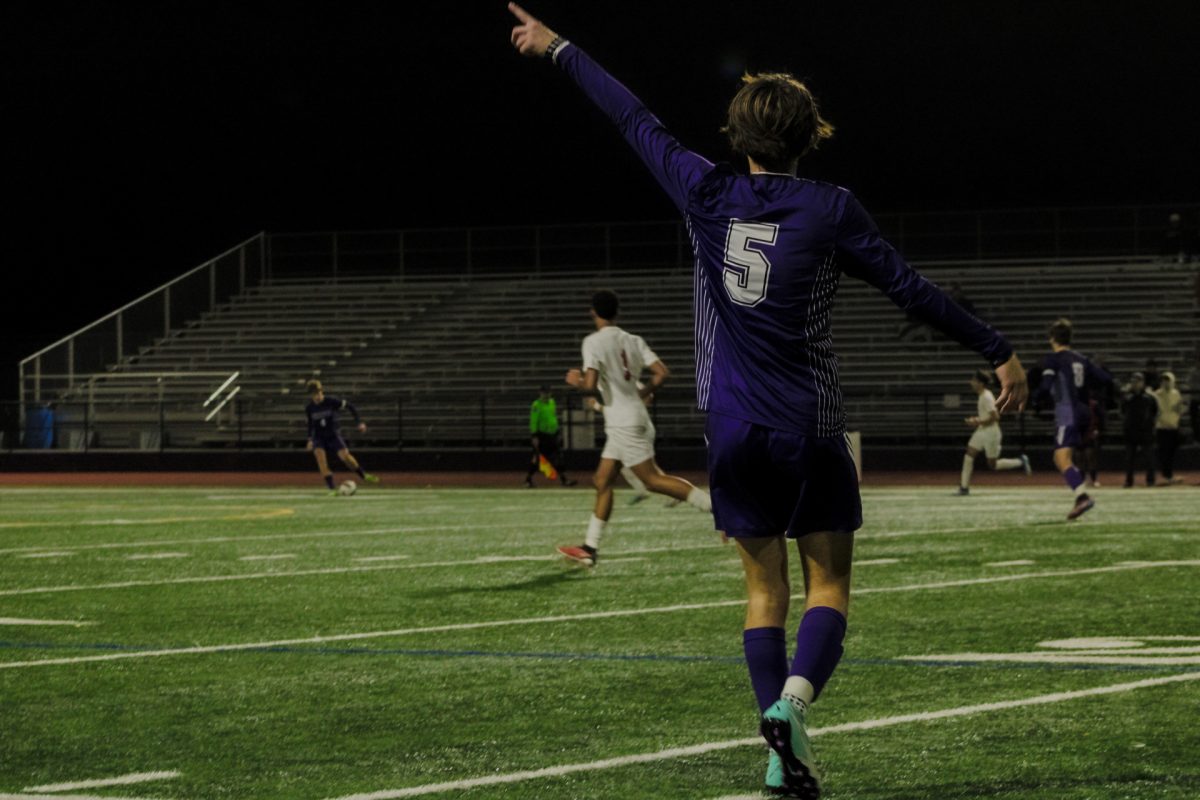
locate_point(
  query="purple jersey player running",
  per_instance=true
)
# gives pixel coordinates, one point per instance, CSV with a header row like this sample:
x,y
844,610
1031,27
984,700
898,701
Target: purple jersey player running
x,y
1065,375
770,248
324,437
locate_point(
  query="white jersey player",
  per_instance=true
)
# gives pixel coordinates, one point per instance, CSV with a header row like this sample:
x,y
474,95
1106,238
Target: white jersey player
x,y
640,492
987,436
613,362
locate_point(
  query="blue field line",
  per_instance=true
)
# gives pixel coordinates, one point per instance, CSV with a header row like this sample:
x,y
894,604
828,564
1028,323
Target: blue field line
x,y
652,657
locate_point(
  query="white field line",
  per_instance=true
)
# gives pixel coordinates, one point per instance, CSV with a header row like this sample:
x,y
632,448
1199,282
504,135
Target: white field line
x,y
264,575
99,783
1021,562
270,537
273,557
462,626
42,796
18,621
876,562
368,559
659,527
154,556
708,747
254,516
628,555
56,554
1024,576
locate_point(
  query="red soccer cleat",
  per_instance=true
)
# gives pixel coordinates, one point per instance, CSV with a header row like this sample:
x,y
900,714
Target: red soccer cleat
x,y
583,554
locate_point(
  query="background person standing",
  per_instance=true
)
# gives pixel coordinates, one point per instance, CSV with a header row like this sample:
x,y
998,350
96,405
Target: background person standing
x,y
543,434
1140,411
1166,426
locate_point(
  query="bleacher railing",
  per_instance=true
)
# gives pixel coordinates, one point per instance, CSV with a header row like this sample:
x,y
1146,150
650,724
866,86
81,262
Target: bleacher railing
x,y
54,372
455,421
1044,233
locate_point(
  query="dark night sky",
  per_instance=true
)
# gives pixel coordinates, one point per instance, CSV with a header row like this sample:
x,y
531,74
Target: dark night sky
x,y
142,138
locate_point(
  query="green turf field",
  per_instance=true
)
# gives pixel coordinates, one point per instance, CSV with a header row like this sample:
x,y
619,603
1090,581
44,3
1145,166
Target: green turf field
x,y
405,643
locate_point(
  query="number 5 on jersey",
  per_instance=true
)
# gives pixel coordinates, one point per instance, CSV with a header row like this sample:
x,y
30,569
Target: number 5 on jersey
x,y
746,268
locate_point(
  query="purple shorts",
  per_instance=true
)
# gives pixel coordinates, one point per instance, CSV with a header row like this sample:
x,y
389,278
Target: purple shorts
x,y
330,443
766,482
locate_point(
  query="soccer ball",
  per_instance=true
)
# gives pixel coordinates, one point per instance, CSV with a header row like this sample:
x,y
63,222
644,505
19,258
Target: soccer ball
x,y
347,488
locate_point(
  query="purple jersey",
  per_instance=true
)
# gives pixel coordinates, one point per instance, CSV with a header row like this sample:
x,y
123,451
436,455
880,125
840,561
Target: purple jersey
x,y
323,416
1065,377
770,250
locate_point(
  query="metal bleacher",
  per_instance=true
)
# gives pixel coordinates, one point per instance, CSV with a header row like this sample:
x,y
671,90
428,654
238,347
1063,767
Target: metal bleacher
x,y
444,362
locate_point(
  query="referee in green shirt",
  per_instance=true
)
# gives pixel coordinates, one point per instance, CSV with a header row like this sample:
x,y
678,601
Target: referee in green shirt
x,y
543,431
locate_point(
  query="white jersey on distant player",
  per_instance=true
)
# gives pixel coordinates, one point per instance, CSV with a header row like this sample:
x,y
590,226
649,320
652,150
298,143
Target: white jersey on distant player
x,y
619,358
985,406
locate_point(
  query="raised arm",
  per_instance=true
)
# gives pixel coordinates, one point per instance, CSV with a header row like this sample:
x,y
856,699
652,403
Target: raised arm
x,y
676,168
866,255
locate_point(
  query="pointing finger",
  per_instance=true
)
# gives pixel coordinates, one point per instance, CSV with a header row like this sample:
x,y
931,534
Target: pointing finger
x,y
521,13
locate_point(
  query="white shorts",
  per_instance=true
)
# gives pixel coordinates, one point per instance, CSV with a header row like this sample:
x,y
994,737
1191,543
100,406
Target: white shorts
x,y
986,439
631,446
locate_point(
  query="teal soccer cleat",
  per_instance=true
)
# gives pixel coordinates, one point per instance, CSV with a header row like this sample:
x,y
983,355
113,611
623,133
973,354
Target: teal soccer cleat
x,y
783,728
775,784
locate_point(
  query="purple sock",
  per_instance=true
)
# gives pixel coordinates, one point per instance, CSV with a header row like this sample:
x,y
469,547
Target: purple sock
x,y
329,481
1073,477
766,655
818,646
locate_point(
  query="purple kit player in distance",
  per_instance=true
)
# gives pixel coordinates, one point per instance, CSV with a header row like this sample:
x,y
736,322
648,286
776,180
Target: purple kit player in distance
x,y
770,249
324,438
1065,375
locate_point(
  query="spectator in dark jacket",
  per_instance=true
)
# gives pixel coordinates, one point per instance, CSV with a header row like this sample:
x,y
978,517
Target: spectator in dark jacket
x,y
1140,411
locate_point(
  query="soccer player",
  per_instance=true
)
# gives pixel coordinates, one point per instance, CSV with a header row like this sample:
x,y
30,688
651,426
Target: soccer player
x,y
1064,377
324,437
640,492
543,431
769,250
987,436
613,360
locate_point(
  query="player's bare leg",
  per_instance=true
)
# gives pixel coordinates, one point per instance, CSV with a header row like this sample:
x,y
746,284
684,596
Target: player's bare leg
x,y
352,462
659,482
605,475
1064,461
968,467
323,467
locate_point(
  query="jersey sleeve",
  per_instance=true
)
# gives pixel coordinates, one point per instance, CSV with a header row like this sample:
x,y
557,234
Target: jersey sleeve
x,y
988,405
1046,384
312,428
676,168
346,405
647,355
591,358
1097,374
866,255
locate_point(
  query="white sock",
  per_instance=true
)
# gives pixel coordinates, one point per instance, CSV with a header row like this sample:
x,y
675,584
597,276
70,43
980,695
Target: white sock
x,y
799,692
595,531
968,468
1009,463
700,499
633,480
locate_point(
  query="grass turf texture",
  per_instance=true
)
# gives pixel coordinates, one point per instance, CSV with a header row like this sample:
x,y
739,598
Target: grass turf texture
x,y
325,719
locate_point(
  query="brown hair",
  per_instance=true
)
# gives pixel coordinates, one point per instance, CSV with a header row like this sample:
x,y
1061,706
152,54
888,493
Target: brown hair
x,y
1060,330
313,386
774,119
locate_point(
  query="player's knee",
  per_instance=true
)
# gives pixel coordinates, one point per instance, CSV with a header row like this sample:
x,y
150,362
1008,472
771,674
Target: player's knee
x,y
768,605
